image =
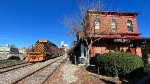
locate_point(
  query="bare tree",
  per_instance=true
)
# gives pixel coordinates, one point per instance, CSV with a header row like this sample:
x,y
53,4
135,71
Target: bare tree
x,y
80,23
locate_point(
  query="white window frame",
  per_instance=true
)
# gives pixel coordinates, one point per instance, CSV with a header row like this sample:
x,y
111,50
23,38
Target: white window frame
x,y
97,24
129,26
114,25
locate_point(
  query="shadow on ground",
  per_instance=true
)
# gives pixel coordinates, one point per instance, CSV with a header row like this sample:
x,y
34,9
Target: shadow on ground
x,y
13,58
94,69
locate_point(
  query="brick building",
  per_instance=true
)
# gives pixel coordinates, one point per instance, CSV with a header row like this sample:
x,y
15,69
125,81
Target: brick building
x,y
115,30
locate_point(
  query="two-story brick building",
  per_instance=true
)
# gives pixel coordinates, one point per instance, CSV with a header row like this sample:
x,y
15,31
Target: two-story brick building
x,y
115,30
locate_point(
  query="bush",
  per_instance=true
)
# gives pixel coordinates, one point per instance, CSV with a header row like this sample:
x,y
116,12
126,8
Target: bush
x,y
118,63
147,65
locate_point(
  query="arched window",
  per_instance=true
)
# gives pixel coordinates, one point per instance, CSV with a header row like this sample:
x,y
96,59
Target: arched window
x,y
97,24
129,26
114,25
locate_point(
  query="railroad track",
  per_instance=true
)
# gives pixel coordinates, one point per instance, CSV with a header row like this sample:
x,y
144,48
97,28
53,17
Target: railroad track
x,y
13,64
14,67
4,61
41,75
30,73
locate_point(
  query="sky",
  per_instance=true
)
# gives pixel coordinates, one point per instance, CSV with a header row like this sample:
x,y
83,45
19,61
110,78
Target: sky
x,y
23,22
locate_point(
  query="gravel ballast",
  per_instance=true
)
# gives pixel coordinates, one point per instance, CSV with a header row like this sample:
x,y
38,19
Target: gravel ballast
x,y
12,76
68,71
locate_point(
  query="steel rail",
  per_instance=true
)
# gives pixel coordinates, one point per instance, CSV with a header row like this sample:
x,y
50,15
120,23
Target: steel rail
x,y
13,65
53,71
17,81
16,67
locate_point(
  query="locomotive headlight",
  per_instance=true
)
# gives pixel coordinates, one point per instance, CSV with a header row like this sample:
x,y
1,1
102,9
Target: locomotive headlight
x,y
33,57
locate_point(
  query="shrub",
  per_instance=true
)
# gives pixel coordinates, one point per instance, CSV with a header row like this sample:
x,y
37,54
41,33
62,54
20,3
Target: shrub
x,y
118,63
147,65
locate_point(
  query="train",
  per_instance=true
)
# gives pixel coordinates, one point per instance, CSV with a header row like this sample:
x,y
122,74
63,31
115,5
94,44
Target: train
x,y
42,51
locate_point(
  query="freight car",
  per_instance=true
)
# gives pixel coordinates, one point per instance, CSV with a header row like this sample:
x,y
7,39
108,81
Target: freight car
x,y
43,50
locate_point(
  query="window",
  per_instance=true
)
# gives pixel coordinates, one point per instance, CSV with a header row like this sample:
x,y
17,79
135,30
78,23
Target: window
x,y
97,24
129,26
114,25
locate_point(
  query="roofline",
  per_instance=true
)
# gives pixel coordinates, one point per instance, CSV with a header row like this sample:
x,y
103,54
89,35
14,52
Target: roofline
x,y
126,37
113,12
113,33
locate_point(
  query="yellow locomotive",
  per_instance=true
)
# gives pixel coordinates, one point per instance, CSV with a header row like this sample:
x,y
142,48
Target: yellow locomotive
x,y
43,50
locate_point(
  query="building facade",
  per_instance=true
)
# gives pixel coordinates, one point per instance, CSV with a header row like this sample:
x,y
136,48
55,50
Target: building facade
x,y
22,50
112,31
64,47
8,49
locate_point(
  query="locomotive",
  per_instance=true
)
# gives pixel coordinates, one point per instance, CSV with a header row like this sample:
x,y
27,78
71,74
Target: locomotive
x,y
43,50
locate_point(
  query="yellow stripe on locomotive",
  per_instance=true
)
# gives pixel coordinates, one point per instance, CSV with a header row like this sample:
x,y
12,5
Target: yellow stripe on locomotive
x,y
39,47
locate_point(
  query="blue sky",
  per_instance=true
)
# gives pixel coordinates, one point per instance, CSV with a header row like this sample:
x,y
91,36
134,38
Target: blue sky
x,y
23,22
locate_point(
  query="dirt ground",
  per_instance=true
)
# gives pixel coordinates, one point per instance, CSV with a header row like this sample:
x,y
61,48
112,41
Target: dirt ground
x,y
84,77
87,77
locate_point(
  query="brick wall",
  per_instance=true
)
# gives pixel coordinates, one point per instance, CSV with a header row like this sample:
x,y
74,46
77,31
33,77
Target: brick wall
x,y
105,22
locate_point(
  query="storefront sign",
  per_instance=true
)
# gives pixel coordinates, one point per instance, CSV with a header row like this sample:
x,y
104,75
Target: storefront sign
x,y
121,40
